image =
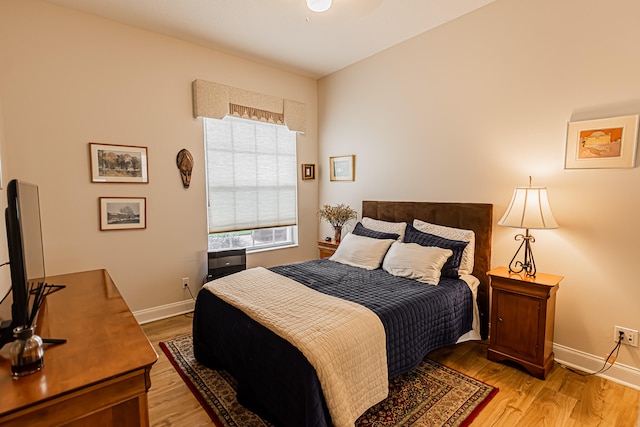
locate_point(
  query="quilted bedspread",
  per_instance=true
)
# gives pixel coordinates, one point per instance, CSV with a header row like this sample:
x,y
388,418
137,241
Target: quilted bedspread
x,y
344,341
417,317
275,378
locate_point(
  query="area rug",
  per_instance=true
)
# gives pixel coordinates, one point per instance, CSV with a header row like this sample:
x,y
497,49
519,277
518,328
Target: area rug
x,y
430,395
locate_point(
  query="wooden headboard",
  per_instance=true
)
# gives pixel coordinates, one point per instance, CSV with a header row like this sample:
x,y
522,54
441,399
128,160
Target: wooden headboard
x,y
470,216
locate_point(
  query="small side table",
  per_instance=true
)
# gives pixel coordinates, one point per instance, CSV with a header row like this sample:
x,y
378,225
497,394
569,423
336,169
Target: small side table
x,y
327,248
522,319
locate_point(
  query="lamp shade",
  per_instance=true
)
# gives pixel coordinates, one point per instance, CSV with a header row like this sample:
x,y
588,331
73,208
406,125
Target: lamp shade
x,y
529,208
318,5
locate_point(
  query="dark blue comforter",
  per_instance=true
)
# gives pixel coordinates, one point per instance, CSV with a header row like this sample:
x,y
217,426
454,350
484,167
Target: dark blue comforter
x,y
275,379
417,317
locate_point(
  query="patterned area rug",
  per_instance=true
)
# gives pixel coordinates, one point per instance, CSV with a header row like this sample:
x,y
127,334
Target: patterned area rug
x,y
430,395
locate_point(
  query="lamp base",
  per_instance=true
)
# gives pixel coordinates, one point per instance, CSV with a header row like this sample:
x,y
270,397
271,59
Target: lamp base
x,y
528,264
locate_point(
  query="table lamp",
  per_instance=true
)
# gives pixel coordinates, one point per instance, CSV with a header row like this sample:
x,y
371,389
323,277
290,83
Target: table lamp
x,y
529,209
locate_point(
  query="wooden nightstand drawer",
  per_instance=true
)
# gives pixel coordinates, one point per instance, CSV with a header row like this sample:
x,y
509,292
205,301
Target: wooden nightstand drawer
x,y
327,248
227,261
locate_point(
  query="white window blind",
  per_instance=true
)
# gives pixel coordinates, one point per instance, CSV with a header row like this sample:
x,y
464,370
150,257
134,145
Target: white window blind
x,y
251,175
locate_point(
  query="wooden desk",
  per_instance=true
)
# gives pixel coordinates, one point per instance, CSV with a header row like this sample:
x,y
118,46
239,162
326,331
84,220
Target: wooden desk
x,y
100,377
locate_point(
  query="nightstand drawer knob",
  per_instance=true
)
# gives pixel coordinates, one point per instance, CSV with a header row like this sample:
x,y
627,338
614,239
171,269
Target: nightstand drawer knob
x,y
499,319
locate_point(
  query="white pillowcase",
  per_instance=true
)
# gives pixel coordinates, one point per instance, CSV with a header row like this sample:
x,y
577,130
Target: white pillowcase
x,y
360,251
385,226
466,264
413,261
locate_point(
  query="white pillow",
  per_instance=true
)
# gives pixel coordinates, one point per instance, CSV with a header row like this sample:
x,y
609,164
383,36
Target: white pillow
x,y
466,264
413,261
385,226
360,251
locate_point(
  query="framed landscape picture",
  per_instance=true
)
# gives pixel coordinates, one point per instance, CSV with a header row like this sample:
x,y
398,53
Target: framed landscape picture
x,y
603,143
342,168
123,213
118,163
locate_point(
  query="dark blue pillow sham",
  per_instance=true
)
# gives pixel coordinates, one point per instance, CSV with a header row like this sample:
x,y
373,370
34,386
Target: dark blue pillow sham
x,y
450,268
361,230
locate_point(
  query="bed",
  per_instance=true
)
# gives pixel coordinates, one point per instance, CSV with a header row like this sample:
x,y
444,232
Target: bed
x,y
278,381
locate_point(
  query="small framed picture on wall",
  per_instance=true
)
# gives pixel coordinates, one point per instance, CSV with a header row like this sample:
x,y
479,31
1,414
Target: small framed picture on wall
x,y
118,163
123,213
602,143
342,168
308,171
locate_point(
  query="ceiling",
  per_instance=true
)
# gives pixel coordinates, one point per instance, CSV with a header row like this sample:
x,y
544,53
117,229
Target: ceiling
x,y
284,33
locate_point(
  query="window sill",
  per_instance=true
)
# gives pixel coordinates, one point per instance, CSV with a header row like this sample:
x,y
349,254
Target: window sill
x,y
271,248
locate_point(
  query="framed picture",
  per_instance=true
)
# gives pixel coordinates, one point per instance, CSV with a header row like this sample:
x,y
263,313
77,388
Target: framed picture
x,y
342,168
123,213
308,171
118,163
603,143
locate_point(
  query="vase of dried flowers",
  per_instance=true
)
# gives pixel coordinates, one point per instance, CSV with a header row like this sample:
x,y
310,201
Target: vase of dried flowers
x,y
337,216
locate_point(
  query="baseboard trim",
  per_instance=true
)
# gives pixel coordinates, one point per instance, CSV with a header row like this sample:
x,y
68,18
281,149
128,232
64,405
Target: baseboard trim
x,y
163,311
619,373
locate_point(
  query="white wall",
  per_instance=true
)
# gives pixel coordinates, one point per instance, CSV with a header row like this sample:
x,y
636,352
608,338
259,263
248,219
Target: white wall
x,y
469,110
69,78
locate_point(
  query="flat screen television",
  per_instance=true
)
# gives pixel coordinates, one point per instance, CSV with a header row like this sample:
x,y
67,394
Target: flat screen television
x,y
26,254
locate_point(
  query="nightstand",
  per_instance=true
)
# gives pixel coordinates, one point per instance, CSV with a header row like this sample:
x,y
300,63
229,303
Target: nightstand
x,y
522,319
327,249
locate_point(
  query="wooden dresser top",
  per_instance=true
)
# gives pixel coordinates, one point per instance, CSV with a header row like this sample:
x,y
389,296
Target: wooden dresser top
x,y
104,340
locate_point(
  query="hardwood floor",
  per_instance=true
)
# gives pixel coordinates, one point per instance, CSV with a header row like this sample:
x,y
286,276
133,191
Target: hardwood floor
x,y
171,403
564,399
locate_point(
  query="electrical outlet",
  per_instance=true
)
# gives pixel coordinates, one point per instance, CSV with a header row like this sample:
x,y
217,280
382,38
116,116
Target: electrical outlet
x,y
629,336
185,282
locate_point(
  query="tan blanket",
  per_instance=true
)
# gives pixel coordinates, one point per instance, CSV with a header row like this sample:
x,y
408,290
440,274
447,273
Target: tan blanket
x,y
345,342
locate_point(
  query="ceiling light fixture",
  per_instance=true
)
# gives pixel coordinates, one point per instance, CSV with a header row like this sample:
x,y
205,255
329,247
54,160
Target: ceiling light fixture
x,y
318,5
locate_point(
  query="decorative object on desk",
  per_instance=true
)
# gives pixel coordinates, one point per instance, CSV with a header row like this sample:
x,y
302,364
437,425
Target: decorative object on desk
x,y
529,208
123,213
342,168
118,163
308,171
431,394
27,354
184,160
604,143
337,216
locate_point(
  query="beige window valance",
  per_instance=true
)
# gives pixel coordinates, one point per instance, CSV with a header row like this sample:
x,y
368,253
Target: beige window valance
x,y
216,100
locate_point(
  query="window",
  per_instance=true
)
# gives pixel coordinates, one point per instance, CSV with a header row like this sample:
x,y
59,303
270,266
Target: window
x,y
251,184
